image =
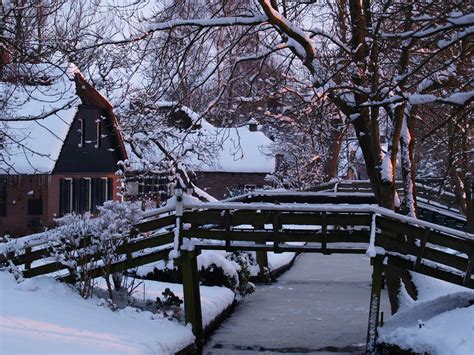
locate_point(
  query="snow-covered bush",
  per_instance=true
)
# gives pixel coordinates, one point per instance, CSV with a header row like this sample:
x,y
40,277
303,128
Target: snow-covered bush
x,y
246,262
170,304
83,243
216,268
231,270
71,246
110,230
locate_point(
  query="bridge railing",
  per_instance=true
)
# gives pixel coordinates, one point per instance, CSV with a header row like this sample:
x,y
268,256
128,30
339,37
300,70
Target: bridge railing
x,y
438,249
35,253
240,226
425,193
188,226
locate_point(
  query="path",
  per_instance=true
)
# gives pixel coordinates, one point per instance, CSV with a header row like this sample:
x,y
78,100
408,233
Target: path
x,y
319,306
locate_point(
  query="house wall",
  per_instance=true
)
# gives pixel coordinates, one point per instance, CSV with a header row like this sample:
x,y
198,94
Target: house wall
x,y
21,189
54,195
219,184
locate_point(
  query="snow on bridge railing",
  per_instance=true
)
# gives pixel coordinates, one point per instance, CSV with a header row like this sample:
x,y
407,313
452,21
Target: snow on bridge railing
x,y
38,239
342,208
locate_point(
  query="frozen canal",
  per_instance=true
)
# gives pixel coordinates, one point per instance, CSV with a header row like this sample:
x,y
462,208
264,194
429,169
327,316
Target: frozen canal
x,y
319,306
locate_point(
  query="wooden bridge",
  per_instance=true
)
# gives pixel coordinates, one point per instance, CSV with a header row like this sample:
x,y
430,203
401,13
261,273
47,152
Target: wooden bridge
x,y
317,222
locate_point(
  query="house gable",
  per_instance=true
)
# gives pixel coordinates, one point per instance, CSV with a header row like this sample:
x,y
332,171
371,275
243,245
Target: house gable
x,y
92,144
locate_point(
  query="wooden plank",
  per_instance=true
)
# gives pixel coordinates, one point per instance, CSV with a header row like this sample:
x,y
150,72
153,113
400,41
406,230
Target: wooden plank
x,y
133,246
313,199
283,236
235,235
265,217
436,237
374,308
150,242
422,248
430,271
282,248
156,223
468,272
324,229
27,256
228,222
124,265
436,255
316,218
192,298
44,269
238,217
276,231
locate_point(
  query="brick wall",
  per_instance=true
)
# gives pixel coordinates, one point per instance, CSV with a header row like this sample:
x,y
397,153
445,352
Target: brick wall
x,y
21,188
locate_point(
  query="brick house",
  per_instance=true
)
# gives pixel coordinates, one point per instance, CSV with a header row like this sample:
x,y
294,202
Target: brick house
x,y
242,165
68,162
222,161
62,164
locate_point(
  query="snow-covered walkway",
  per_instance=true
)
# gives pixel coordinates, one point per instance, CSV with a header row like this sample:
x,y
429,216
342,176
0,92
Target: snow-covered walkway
x,y
320,304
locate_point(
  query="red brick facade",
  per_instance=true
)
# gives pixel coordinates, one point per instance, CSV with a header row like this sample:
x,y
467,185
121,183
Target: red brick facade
x,y
21,189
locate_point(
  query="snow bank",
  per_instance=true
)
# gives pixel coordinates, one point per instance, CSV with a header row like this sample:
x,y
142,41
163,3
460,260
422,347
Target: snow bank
x,y
444,325
276,261
214,300
43,316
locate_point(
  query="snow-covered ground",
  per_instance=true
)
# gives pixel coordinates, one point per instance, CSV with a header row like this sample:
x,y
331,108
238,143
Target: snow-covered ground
x,y
43,316
441,321
319,306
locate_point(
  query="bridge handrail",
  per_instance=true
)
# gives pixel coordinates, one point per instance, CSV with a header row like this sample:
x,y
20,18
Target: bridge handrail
x,y
423,190
300,207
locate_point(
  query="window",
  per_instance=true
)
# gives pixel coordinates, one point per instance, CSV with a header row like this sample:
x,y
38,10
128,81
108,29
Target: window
x,y
35,206
81,133
98,132
86,193
3,198
65,196
102,190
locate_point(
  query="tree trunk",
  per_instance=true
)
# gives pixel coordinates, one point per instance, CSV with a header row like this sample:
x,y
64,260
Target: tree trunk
x,y
336,138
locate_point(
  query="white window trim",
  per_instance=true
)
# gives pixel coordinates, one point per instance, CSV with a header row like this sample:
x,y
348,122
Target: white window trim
x,y
89,183
106,186
98,133
81,138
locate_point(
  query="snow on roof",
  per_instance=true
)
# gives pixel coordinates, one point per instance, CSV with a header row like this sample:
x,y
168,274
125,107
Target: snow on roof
x,y
241,151
33,146
205,148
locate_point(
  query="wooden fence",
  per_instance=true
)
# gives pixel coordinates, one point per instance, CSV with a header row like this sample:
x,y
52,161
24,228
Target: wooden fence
x,y
413,244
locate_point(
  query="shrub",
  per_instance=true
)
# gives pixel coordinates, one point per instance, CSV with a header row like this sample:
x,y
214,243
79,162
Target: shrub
x,y
170,304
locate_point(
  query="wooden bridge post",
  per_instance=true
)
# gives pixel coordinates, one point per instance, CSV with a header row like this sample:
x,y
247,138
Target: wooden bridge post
x,y
262,259
374,307
192,297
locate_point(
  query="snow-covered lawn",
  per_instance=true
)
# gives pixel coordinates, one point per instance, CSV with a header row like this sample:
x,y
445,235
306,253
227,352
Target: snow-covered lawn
x,y
218,257
441,321
41,315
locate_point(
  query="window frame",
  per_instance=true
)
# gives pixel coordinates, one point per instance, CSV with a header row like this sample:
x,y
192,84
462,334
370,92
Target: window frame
x,y
98,131
81,130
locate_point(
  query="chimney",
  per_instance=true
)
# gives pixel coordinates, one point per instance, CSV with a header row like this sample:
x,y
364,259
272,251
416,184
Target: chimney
x,y
253,126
